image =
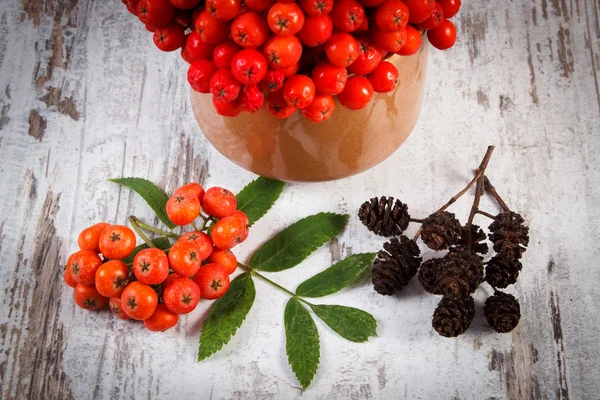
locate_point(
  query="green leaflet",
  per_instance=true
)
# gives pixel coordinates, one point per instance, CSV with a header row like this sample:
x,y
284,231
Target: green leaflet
x,y
296,242
258,197
161,243
336,277
350,323
154,196
302,342
226,316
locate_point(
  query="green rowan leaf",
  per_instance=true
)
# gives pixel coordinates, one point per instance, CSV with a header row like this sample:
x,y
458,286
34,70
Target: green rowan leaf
x,y
258,197
302,342
296,242
161,243
336,277
348,322
226,316
154,196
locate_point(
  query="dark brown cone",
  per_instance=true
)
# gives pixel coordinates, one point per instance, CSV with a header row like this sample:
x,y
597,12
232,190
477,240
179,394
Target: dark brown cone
x,y
502,312
509,235
395,265
477,236
452,317
473,265
441,230
428,275
384,216
501,272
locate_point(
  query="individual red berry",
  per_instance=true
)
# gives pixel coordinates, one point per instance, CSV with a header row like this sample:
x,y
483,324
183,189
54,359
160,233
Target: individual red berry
x,y
169,38
184,258
285,19
384,78
272,81
390,41
200,74
181,296
320,109
83,265
434,20
150,28
227,108
213,281
316,7
368,58
111,278
225,258
391,16
87,297
223,54
282,51
219,202
157,13
151,266
224,86
249,30
444,36
183,17
68,277
227,232
224,10
196,13
299,91
192,188
89,238
161,320
201,242
347,15
117,309
183,208
243,218
277,106
450,7
419,10
132,6
290,71
328,78
185,4
357,93
211,30
316,30
259,5
341,49
195,49
413,41
117,241
251,98
139,300
248,66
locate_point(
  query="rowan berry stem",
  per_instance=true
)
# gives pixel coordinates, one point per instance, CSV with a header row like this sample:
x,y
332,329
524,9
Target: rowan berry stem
x,y
136,228
492,190
153,229
274,284
195,227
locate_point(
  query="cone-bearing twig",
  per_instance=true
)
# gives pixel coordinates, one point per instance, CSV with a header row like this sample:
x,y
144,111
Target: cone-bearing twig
x,y
501,272
441,230
502,312
453,199
478,190
509,235
395,265
384,216
452,317
490,188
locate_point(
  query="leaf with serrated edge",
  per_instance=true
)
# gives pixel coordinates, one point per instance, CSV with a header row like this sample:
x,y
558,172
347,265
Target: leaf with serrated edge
x,y
226,316
348,322
160,243
258,197
154,196
301,342
296,242
336,277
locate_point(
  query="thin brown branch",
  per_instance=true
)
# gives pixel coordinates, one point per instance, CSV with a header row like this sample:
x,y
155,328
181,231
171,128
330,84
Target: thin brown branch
x,y
487,214
478,191
492,190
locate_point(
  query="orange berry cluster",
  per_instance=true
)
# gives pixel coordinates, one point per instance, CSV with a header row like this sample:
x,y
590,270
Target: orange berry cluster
x,y
159,285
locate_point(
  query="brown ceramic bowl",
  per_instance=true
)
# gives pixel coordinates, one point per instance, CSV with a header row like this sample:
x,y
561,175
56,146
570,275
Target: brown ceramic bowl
x,y
295,149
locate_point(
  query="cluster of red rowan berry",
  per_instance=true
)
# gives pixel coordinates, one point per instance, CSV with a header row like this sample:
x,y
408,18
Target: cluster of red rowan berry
x,y
158,285
300,54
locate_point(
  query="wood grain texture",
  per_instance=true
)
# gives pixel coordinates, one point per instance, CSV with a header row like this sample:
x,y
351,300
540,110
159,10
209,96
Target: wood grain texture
x,y
85,96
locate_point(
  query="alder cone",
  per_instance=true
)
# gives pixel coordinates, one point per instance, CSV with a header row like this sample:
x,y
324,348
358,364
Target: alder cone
x,y
509,235
501,272
395,266
502,312
441,230
452,317
477,236
384,216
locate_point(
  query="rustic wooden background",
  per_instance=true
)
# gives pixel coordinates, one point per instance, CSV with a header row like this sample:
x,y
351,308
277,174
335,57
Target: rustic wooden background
x,y
85,96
